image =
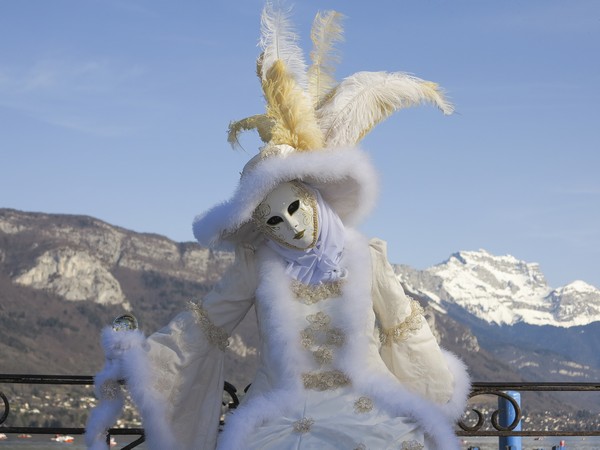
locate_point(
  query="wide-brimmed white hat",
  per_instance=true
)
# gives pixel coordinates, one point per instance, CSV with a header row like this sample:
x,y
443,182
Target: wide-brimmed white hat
x,y
311,127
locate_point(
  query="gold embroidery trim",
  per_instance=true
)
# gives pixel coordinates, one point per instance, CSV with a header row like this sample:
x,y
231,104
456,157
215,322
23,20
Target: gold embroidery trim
x,y
335,336
311,294
303,425
319,321
325,381
363,405
215,335
323,355
402,331
308,338
412,445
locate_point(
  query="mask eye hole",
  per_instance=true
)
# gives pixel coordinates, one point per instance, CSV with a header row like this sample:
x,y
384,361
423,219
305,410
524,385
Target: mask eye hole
x,y
274,220
293,207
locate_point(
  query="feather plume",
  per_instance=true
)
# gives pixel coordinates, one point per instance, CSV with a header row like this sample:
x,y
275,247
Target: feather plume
x,y
258,122
326,32
279,43
365,99
291,111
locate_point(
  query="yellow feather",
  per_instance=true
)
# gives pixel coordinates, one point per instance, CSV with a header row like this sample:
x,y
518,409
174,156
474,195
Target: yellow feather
x,y
288,106
258,122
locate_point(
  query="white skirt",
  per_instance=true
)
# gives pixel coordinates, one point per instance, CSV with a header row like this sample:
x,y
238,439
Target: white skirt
x,y
337,419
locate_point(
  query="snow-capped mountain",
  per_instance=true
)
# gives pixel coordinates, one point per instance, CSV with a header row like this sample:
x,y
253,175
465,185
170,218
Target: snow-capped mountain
x,y
503,290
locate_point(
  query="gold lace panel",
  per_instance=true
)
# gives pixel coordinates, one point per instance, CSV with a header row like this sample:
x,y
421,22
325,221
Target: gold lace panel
x,y
402,331
325,381
321,339
310,294
215,335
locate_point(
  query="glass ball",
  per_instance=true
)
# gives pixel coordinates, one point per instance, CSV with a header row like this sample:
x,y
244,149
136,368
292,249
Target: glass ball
x,y
125,322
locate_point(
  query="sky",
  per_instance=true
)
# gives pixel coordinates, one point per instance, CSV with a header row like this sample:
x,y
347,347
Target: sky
x,y
118,109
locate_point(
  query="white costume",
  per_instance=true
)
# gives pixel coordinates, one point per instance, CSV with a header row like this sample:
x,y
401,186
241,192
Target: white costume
x,y
347,360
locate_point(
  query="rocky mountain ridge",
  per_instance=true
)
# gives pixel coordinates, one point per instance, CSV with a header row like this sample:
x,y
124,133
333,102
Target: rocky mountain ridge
x,y
62,278
80,267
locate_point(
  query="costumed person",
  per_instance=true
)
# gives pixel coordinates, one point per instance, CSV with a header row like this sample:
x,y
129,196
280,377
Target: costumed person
x,y
346,359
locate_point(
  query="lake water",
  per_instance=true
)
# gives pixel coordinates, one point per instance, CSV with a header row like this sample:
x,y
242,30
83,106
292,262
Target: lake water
x,y
529,443
572,443
43,442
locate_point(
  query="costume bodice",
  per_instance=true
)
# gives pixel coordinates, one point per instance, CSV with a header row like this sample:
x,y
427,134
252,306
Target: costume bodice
x,y
321,337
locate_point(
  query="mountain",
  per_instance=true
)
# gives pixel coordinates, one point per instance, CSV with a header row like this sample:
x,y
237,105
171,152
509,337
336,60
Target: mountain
x,y
64,277
543,333
503,290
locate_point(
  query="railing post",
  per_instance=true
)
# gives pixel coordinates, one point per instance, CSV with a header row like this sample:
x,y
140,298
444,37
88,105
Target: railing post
x,y
507,416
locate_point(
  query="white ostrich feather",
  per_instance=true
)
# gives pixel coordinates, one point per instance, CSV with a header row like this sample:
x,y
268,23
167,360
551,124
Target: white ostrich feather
x,y
279,42
326,32
364,99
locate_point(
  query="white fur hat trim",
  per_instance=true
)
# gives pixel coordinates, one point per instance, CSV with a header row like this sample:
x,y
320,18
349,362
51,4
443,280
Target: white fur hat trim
x,y
345,178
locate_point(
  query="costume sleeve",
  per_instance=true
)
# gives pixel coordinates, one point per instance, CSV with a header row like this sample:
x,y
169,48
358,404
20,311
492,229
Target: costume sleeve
x,y
176,377
408,347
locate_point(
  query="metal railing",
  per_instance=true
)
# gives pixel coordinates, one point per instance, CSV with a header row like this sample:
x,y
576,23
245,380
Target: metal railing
x,y
480,428
64,380
499,390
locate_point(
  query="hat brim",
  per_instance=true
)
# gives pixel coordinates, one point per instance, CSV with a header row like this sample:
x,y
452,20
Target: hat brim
x,y
345,177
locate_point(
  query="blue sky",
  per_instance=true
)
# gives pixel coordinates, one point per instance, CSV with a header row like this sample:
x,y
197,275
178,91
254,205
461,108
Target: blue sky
x,y
118,109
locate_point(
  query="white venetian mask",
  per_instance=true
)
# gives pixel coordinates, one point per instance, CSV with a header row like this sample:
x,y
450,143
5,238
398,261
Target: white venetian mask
x,y
288,215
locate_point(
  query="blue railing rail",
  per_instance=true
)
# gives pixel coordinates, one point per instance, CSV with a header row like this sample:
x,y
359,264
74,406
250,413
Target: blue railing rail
x,y
481,428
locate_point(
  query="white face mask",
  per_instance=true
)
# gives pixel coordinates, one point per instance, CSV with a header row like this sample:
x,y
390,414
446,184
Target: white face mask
x,y
288,215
